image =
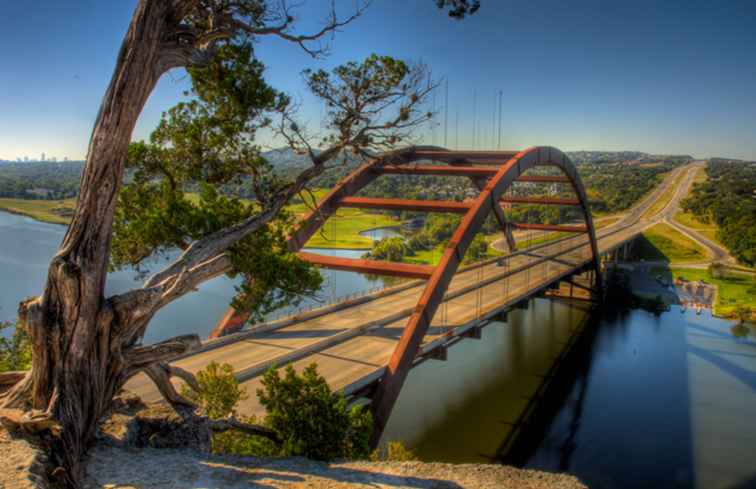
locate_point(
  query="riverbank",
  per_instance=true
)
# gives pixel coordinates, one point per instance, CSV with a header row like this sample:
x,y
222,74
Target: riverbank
x,y
343,230
49,211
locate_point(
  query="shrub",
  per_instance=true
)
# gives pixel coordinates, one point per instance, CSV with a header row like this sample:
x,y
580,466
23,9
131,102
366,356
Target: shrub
x,y
310,419
219,391
16,351
393,451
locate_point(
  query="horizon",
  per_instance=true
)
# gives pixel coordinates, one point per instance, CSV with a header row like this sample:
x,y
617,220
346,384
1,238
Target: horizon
x,y
637,76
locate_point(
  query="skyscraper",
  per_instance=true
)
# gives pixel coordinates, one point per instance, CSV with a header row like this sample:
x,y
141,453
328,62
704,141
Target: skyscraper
x,y
43,157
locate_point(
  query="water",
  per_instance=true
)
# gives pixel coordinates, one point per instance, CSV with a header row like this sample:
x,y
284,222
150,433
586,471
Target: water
x,y
462,410
26,247
377,234
667,401
647,401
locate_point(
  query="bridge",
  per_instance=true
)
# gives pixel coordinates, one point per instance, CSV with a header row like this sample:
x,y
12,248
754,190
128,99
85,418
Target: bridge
x,y
366,346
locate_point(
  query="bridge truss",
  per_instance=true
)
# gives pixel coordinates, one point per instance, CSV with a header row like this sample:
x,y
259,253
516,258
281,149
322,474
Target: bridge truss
x,y
493,173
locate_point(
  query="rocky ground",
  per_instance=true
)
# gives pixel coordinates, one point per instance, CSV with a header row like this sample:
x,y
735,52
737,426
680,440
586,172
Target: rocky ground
x,y
151,446
19,463
148,468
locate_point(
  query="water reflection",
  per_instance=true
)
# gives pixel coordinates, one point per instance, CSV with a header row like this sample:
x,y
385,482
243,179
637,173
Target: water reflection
x,y
461,410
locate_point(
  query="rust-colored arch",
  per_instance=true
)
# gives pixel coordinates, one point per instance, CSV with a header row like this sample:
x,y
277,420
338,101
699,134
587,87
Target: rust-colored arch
x,y
505,168
488,200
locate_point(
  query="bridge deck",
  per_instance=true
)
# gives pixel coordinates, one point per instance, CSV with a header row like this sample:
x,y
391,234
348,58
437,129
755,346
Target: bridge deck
x,y
353,344
362,337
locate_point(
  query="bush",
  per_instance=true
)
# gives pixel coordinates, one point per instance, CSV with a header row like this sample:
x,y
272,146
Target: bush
x,y
394,451
16,351
310,419
219,391
306,415
390,249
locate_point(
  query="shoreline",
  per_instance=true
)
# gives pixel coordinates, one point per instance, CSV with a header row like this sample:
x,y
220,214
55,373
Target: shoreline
x,y
17,212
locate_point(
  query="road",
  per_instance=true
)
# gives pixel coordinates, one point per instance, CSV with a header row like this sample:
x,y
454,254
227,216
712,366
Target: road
x,y
716,252
351,346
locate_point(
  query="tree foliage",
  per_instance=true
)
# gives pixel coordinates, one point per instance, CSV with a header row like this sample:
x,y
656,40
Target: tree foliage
x,y
728,197
311,420
389,249
458,9
15,352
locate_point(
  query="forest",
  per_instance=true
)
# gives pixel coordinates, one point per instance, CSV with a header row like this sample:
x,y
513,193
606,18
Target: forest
x,y
40,179
728,198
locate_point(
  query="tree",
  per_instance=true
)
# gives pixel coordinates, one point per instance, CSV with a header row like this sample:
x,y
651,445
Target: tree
x,y
85,345
477,250
390,249
311,420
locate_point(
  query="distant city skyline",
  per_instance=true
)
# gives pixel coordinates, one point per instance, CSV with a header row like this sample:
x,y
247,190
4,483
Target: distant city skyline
x,y
663,78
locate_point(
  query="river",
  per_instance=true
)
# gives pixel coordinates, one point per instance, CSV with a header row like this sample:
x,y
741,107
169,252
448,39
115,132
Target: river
x,y
646,401
26,247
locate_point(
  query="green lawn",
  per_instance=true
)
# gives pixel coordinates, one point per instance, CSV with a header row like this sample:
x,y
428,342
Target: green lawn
x,y
734,290
342,230
662,242
689,220
54,211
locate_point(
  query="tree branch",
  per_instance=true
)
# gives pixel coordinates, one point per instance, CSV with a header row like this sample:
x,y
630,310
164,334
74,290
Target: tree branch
x,y
231,423
142,356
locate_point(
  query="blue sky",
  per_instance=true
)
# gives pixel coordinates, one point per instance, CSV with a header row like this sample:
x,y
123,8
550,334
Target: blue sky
x,y
664,77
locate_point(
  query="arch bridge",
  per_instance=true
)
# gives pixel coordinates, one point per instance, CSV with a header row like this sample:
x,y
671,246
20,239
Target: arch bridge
x,y
492,173
366,345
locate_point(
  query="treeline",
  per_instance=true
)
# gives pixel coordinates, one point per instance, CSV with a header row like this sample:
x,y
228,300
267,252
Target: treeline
x,y
616,187
436,230
728,197
40,179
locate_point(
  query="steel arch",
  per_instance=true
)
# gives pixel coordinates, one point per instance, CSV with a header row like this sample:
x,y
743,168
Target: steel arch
x,y
405,352
493,172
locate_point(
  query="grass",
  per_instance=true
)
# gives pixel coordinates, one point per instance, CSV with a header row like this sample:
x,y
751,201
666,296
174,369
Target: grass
x,y
605,221
342,230
733,290
664,243
664,199
53,211
690,221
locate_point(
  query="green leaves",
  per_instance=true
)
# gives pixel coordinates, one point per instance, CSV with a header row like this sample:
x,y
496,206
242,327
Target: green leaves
x,y
390,249
219,391
177,189
312,421
16,351
371,104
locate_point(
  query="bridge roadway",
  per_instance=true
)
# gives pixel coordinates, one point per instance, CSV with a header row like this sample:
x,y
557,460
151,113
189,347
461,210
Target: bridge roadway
x,y
352,345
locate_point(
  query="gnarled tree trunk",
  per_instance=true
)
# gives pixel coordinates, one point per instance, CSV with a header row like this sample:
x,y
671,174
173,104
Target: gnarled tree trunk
x,y
83,348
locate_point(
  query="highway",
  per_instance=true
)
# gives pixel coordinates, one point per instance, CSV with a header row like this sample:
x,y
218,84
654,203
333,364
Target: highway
x,y
351,345
717,253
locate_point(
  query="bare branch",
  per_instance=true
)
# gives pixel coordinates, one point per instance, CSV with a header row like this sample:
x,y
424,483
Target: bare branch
x,y
142,356
231,423
332,25
160,374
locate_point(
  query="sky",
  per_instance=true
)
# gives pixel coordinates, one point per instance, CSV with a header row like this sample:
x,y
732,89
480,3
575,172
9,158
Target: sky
x,y
662,77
